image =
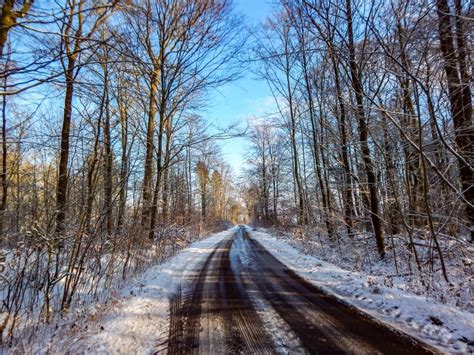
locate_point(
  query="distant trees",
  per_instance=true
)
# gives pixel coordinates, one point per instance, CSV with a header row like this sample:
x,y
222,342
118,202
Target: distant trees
x,y
265,165
215,184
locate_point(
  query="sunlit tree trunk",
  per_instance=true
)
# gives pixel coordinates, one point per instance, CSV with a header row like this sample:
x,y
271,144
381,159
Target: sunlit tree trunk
x,y
9,18
4,177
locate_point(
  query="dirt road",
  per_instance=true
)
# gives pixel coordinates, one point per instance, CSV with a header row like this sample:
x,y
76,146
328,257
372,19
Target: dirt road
x,y
244,301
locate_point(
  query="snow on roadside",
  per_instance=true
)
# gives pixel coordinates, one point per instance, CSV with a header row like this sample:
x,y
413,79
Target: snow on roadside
x,y
137,320
446,327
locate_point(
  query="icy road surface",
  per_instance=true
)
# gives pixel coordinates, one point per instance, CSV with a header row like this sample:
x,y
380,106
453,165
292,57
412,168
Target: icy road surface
x,y
243,300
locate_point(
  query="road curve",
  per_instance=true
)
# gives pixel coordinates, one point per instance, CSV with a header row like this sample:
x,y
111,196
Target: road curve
x,y
219,313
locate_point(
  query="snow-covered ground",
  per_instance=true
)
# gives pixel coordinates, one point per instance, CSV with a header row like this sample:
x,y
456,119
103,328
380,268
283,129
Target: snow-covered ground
x,y
135,321
446,327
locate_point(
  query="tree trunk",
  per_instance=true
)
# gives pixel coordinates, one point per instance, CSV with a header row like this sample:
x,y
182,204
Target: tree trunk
x,y
316,146
412,158
363,136
165,198
264,180
108,159
92,169
3,202
348,200
159,172
148,173
62,182
299,188
459,93
124,158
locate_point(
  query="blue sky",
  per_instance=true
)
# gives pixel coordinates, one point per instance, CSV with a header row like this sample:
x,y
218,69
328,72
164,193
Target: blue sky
x,y
243,99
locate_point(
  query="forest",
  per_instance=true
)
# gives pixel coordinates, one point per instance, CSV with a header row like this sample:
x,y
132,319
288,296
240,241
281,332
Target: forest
x,y
109,164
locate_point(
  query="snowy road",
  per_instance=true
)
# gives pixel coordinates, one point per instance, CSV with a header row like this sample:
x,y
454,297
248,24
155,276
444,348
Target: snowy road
x,y
243,300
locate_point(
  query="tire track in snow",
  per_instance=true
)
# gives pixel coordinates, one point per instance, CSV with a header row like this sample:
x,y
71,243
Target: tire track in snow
x,y
220,313
217,316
